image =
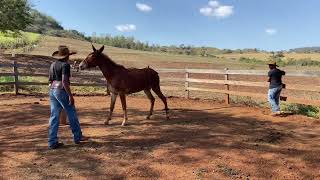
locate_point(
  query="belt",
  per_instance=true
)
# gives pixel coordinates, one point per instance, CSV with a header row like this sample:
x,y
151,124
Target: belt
x,y
56,85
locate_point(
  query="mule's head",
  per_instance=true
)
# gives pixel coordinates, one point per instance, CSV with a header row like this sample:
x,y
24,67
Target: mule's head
x,y
93,59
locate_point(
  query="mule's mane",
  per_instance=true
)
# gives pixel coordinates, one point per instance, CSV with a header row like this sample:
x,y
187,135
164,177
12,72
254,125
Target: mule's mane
x,y
110,61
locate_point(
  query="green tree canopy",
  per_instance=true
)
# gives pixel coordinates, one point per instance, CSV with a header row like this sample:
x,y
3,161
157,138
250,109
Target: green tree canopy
x,y
14,15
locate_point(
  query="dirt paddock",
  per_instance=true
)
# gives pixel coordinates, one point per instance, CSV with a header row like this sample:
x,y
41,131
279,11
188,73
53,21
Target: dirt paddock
x,y
202,140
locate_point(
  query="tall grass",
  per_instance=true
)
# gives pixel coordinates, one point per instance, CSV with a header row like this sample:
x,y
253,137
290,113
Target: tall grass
x,y
11,40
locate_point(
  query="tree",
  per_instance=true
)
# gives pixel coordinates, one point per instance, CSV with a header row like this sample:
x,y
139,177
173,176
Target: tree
x,y
42,23
15,15
203,51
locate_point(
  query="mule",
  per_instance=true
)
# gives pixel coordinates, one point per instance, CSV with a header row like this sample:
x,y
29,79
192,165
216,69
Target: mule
x,y
123,81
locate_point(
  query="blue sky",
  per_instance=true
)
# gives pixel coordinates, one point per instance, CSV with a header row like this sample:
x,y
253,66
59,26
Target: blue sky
x,y
263,24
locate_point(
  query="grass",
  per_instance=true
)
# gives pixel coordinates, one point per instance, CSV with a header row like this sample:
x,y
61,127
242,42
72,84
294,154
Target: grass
x,y
10,40
6,79
7,88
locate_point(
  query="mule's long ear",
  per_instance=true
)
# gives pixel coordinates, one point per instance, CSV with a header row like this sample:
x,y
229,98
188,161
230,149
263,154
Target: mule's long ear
x,y
101,49
93,48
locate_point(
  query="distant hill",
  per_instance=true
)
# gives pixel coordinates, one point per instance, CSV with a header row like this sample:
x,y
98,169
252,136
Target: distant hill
x,y
47,25
306,50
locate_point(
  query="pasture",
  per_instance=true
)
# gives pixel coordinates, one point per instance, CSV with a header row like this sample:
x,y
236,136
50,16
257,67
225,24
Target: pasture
x,y
202,140
143,58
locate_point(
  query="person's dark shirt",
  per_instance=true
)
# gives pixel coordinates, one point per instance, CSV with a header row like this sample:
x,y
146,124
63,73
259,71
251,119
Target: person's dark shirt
x,y
275,76
59,71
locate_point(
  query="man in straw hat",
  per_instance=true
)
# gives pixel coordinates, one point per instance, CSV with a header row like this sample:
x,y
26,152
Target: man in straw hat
x,y
275,87
62,98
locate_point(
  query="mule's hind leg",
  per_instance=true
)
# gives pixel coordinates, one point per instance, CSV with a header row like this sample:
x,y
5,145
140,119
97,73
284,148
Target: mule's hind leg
x,y
157,90
124,108
113,101
152,99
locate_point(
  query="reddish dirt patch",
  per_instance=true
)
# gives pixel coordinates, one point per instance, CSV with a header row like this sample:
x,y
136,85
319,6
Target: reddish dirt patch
x,y
202,139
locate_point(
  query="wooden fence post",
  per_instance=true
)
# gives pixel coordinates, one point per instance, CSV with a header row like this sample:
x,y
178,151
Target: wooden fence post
x,y
16,79
186,85
226,78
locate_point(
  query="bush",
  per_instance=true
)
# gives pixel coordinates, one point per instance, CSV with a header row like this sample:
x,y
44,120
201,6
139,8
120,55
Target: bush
x,y
307,110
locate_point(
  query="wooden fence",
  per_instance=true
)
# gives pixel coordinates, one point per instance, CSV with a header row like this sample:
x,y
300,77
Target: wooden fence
x,y
226,82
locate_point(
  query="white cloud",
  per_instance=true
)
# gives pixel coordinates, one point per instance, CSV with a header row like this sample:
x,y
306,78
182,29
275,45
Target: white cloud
x,y
143,7
126,27
223,11
271,31
215,9
207,11
214,4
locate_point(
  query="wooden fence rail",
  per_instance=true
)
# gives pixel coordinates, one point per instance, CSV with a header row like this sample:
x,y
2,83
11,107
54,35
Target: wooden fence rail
x,y
187,80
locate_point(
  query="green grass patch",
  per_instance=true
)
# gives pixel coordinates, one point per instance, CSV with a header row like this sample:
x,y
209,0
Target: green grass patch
x,y
6,79
11,40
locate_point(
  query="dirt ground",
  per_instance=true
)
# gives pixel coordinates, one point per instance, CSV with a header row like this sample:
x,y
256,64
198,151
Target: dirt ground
x,y
202,140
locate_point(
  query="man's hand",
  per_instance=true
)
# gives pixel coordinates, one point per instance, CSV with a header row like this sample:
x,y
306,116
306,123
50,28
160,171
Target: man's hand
x,y
71,100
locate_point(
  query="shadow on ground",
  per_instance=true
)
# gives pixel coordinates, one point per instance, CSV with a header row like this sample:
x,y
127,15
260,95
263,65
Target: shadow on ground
x,y
212,139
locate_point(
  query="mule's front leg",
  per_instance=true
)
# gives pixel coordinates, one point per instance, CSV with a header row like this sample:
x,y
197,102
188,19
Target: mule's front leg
x,y
124,108
113,102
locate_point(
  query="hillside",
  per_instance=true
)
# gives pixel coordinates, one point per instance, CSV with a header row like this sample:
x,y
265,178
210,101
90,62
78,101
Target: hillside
x,y
306,50
135,58
47,25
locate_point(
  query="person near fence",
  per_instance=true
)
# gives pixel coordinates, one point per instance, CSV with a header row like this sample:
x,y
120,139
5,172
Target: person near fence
x,y
62,98
275,87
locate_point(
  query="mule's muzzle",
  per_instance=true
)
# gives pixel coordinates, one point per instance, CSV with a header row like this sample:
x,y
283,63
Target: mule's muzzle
x,y
83,66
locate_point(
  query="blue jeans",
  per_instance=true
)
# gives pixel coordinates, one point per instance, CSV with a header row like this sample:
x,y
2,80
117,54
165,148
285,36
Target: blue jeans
x,y
60,99
274,98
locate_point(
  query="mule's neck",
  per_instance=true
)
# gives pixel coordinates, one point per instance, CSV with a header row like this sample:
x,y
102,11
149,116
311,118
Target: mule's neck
x,y
109,67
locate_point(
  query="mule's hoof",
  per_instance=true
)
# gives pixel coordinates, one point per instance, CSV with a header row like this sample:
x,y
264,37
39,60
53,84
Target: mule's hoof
x,y
123,124
106,123
148,117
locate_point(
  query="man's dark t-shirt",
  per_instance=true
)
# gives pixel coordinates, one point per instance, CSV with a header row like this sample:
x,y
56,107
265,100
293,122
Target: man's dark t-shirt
x,y
59,69
275,78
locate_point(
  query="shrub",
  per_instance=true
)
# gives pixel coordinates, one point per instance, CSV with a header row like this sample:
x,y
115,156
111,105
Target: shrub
x,y
307,110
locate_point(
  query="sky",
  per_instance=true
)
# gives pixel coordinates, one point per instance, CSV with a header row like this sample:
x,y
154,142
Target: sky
x,y
230,24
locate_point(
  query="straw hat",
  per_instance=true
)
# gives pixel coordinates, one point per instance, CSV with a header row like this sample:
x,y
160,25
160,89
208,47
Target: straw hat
x,y
273,63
